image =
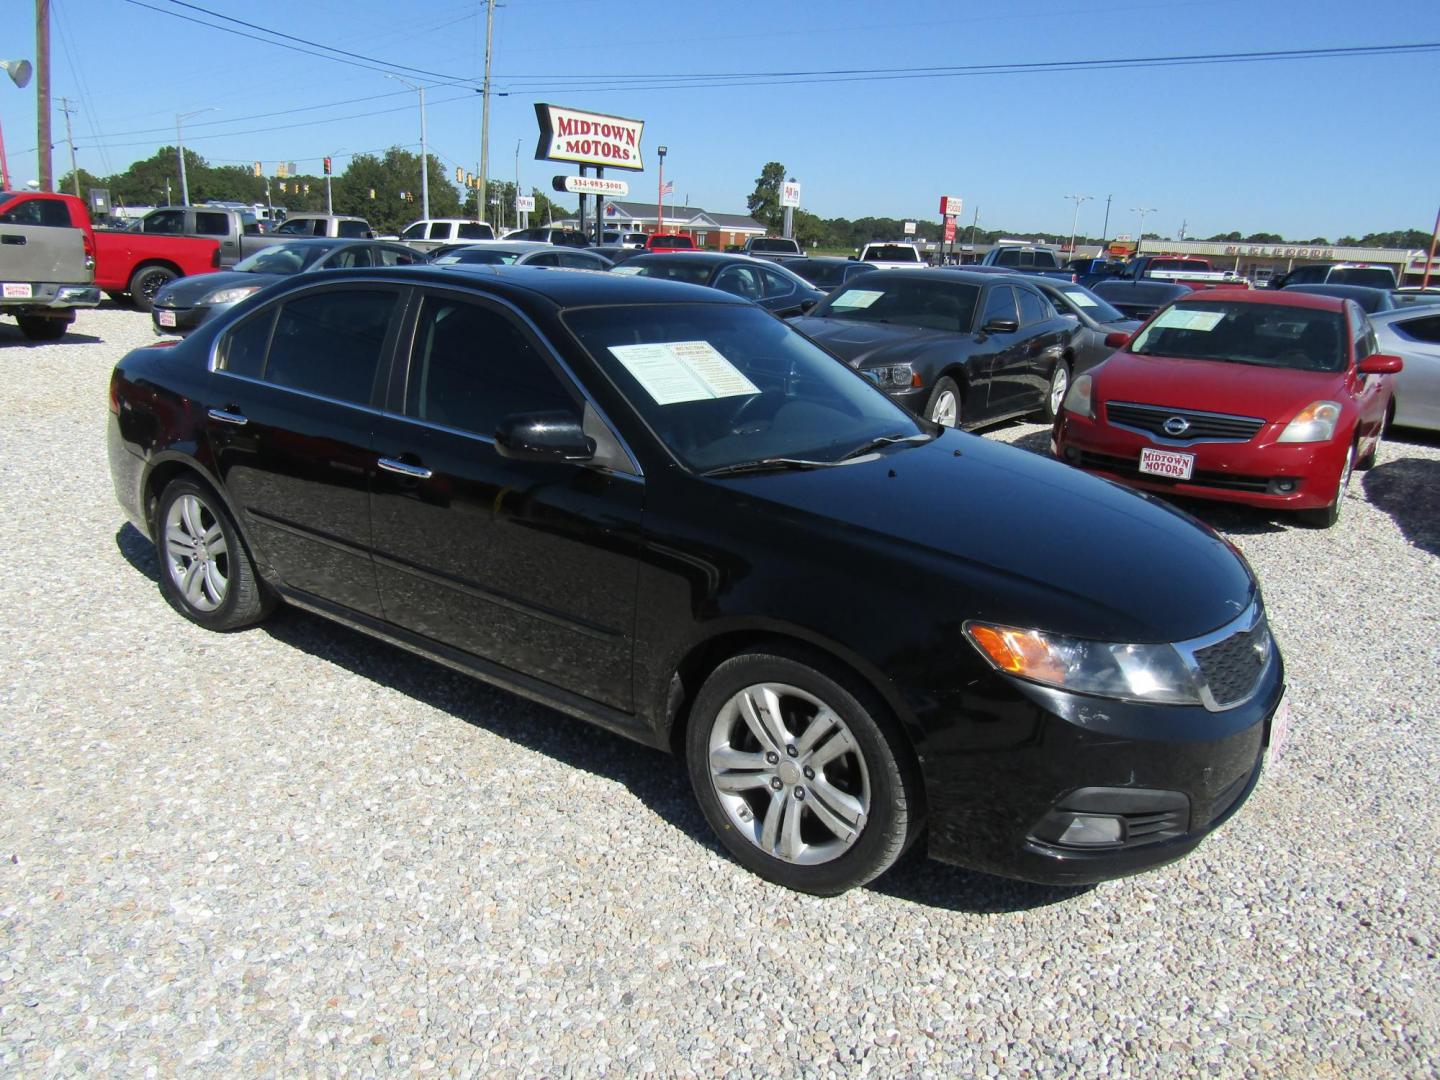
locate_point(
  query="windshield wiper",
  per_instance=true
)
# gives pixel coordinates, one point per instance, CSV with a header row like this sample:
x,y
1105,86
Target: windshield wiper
x,y
883,440
770,464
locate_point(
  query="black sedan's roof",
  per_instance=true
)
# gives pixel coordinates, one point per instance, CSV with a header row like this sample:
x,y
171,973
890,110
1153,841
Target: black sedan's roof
x,y
562,287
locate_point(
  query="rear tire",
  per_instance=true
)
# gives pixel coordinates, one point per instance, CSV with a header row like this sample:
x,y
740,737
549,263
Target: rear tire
x,y
205,571
42,328
1055,393
146,282
800,771
945,405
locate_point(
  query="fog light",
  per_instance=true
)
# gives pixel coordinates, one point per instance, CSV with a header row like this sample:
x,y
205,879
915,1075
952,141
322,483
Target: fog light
x,y
1090,830
1285,486
1071,454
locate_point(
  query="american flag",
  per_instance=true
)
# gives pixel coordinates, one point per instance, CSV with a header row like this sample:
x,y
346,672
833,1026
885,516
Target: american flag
x,y
669,188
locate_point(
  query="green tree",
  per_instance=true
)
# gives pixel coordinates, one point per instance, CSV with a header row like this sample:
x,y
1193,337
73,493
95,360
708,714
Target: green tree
x,y
1398,238
1224,238
764,201
1264,238
394,180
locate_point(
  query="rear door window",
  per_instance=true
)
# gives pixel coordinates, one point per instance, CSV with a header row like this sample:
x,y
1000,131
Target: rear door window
x,y
776,283
168,222
472,366
740,280
439,230
243,350
352,230
1032,308
414,232
212,224
471,230
330,343
389,256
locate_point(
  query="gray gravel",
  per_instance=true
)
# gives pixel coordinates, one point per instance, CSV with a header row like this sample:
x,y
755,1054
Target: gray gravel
x,y
298,851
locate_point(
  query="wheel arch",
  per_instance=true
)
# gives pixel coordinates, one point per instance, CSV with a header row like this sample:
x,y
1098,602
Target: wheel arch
x,y
169,467
146,264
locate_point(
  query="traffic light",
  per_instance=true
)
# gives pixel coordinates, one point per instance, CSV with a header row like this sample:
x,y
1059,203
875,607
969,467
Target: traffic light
x,y
327,166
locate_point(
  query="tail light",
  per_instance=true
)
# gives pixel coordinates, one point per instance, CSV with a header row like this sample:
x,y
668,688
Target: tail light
x,y
215,257
115,393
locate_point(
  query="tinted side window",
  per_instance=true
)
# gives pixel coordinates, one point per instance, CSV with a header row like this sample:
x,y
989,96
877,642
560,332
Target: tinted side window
x,y
1008,257
352,230
53,212
165,221
472,231
330,343
210,224
359,255
1032,308
389,256
439,230
1000,304
414,232
545,258
1426,329
243,350
472,367
776,283
740,280
27,213
579,260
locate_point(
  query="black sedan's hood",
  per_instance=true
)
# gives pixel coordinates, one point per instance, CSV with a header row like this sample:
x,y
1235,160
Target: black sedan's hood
x,y
188,291
969,525
865,343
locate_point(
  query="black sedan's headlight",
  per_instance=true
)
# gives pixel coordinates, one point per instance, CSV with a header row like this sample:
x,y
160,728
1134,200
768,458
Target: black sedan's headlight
x,y
893,376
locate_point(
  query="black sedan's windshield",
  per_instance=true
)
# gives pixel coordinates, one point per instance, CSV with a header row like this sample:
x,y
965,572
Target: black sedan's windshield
x,y
723,384
284,258
1270,335
1079,298
933,305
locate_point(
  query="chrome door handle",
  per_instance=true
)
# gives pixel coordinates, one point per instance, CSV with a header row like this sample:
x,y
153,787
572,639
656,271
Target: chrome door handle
x,y
228,417
419,472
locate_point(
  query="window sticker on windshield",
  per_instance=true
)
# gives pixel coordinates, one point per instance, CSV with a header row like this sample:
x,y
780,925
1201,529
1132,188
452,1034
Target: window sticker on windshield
x,y
1080,299
856,298
675,371
1180,319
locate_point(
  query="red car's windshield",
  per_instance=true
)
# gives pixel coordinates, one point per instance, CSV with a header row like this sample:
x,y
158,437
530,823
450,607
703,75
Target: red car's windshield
x,y
1271,335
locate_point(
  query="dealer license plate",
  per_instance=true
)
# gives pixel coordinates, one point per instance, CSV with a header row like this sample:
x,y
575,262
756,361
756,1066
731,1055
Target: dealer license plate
x,y
18,290
165,318
1280,730
1167,463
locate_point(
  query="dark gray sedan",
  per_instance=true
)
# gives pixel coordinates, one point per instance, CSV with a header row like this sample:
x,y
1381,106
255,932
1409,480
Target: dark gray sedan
x,y
1097,319
188,302
768,284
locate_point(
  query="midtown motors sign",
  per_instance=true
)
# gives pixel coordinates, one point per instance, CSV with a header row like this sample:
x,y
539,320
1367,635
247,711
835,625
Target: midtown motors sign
x,y
586,138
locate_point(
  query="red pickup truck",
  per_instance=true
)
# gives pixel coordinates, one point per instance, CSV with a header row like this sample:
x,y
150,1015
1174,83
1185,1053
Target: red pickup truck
x,y
126,263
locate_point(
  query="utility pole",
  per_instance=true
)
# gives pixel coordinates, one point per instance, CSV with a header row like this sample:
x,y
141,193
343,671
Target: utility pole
x,y
1105,229
67,109
1184,223
180,153
485,107
42,91
973,224
522,223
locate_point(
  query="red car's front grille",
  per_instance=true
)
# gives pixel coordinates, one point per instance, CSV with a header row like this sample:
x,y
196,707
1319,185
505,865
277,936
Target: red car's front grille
x,y
1195,425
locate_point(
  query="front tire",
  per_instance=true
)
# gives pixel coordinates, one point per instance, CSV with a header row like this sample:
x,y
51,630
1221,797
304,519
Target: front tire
x,y
1327,516
146,282
946,405
205,572
800,772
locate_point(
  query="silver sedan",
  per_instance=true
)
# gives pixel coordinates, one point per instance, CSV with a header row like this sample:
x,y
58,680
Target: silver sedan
x,y
1413,334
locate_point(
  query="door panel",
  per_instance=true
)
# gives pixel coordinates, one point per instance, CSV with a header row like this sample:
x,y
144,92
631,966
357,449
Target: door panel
x,y
1004,370
532,565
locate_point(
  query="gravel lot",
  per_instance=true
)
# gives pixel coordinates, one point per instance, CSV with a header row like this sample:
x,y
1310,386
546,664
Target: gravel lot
x,y
295,850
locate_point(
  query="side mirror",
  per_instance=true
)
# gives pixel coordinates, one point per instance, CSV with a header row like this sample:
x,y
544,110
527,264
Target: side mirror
x,y
806,305
1380,364
1000,326
543,437
1117,339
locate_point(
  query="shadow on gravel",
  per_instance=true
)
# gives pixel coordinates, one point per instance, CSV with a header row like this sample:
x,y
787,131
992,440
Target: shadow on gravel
x,y
14,339
138,552
656,779
1037,442
1408,489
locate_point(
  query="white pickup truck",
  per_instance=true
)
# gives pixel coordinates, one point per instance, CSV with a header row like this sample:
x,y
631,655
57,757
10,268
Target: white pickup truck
x,y
892,256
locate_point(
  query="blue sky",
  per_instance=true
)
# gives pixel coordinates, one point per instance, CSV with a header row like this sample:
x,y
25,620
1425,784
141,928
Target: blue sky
x,y
1304,148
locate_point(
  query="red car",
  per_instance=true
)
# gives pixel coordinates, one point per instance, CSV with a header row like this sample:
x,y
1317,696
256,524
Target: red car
x,y
668,242
1268,399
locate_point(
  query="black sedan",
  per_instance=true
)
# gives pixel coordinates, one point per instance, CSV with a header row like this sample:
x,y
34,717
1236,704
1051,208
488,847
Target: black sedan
x,y
962,349
1138,299
1096,318
1371,301
768,284
828,272
187,302
665,511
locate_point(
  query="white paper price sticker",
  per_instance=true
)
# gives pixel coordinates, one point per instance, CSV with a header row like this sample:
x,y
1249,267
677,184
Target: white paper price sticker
x,y
1179,318
676,371
856,298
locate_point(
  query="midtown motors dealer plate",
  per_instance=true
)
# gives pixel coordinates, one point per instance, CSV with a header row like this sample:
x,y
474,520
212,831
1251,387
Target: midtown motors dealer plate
x,y
1167,463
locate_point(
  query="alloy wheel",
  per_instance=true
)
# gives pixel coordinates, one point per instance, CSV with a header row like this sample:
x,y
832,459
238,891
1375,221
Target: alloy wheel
x,y
945,410
1059,384
196,555
789,774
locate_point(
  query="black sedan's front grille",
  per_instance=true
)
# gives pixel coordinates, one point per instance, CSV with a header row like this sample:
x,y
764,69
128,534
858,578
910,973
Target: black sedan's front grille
x,y
1232,667
1197,425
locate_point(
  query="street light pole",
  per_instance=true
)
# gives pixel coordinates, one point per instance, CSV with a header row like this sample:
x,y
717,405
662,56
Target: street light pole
x,y
19,72
330,161
424,149
485,106
180,150
1140,236
1075,221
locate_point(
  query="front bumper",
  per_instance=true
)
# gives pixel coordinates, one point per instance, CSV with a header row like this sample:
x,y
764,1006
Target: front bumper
x,y
912,398
1260,472
185,319
1003,781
